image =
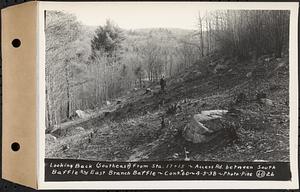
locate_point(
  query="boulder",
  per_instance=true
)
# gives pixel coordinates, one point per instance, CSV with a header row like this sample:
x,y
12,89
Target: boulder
x,y
197,131
108,103
82,114
50,138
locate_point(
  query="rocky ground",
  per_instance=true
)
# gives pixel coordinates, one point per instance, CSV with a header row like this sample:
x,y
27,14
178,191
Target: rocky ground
x,y
144,126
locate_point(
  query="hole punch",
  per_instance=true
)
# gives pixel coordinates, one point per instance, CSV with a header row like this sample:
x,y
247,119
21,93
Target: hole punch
x,y
15,146
16,43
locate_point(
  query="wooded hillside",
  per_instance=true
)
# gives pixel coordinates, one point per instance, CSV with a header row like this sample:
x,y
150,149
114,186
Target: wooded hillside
x,y
87,66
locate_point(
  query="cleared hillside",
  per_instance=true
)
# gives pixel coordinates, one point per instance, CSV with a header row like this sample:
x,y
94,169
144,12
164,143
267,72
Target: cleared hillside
x,y
142,126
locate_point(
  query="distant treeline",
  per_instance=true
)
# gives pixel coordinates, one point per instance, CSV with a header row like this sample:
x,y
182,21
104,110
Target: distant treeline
x,y
245,33
87,66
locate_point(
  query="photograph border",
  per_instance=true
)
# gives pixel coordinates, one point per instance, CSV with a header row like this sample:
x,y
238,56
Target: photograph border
x,y
173,184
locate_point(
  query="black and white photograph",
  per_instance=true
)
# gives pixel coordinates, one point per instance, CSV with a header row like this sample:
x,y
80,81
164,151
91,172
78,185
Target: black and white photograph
x,y
160,84
150,95
175,93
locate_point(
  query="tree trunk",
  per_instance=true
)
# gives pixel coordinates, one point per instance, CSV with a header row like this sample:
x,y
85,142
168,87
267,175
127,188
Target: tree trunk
x,y
68,91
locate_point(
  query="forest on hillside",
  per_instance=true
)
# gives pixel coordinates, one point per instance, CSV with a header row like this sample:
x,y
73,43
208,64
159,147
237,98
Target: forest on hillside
x,y
86,66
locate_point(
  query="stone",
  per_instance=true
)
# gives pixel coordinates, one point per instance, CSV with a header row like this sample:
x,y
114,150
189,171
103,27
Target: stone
x,y
79,129
249,74
267,102
50,138
259,160
82,114
268,59
196,131
198,73
108,103
175,156
65,148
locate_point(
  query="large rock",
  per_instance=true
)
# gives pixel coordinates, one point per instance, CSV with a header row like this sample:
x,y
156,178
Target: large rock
x,y
82,114
197,130
50,138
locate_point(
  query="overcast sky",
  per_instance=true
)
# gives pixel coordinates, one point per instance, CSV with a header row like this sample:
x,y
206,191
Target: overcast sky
x,y
133,15
138,15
